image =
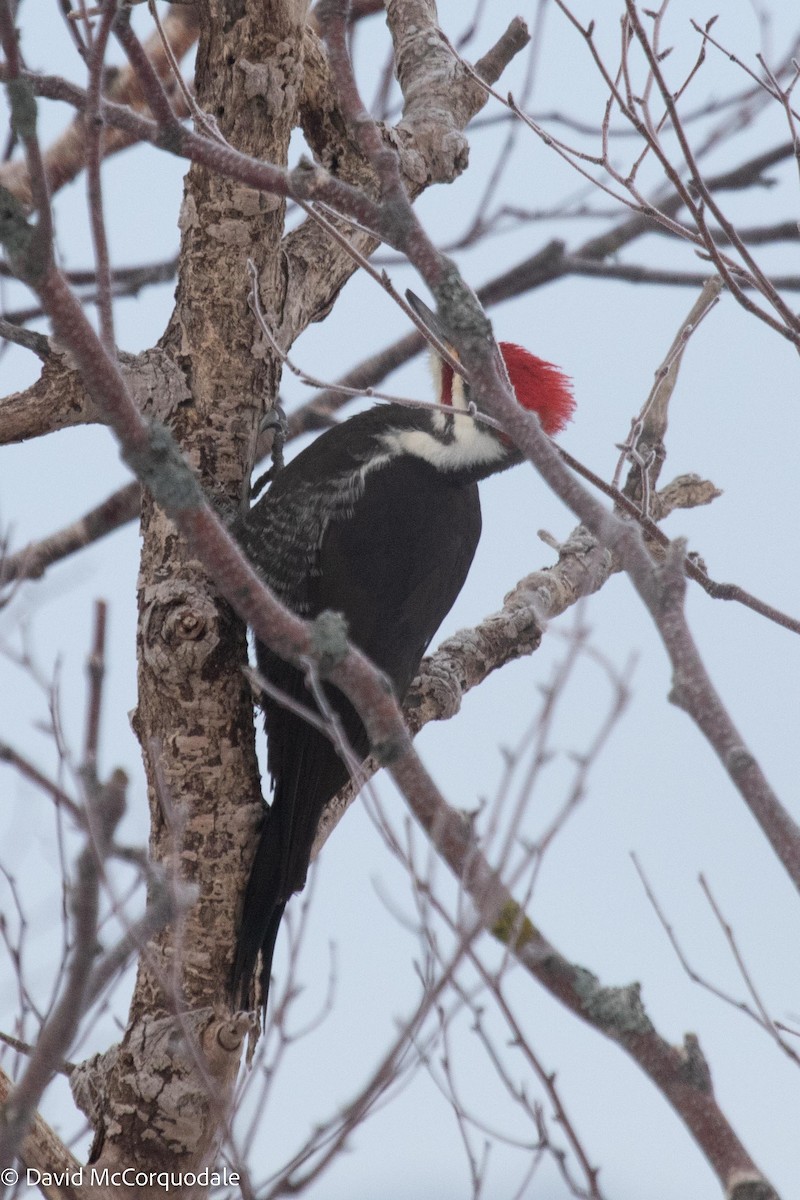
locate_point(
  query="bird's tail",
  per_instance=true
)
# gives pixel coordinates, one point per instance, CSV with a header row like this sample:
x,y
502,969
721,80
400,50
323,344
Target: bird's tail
x,y
264,903
307,771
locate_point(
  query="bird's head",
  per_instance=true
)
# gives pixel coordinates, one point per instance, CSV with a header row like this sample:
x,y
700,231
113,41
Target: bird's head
x,y
539,386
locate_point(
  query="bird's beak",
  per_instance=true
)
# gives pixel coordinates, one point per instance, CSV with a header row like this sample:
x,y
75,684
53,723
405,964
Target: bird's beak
x,y
427,316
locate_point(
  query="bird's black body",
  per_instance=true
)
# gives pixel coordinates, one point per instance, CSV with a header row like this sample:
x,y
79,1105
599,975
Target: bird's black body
x,y
390,548
379,520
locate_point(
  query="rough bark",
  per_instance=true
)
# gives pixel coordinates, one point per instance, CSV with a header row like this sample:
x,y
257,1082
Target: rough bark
x,y
171,1077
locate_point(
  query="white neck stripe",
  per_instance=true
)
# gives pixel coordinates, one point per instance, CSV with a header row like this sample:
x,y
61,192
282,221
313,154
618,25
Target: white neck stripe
x,y
470,446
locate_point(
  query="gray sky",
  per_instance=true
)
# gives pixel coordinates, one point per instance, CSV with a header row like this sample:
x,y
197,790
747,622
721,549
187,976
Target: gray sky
x,y
657,789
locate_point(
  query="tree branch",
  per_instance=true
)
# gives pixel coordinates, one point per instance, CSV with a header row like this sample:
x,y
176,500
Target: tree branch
x,y
43,1151
66,157
33,560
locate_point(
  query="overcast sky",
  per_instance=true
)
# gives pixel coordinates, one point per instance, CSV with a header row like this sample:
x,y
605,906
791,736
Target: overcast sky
x,y
657,789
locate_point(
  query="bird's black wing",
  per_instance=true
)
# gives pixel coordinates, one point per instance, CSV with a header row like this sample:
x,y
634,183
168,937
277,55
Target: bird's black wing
x,y
396,566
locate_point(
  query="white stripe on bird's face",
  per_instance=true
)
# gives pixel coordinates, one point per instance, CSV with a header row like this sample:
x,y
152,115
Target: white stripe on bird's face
x,y
457,443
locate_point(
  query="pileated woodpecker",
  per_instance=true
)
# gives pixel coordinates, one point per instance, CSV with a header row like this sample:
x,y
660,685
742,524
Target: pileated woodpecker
x,y
378,519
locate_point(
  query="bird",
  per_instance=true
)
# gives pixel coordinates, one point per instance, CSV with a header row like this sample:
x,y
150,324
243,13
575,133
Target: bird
x,y
378,519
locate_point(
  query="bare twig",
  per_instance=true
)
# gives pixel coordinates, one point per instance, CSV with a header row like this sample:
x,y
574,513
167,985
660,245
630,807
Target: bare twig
x,y
32,561
32,773
758,1014
94,159
60,1028
95,669
648,430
